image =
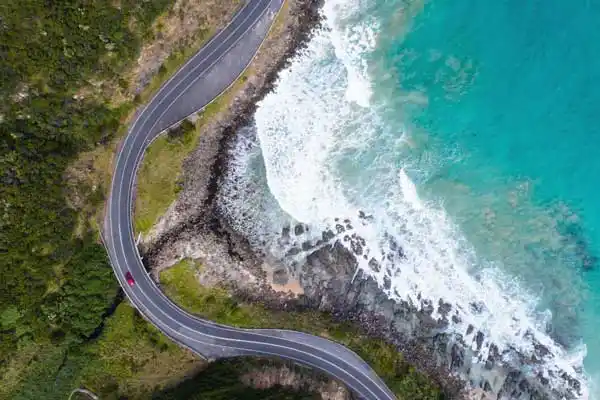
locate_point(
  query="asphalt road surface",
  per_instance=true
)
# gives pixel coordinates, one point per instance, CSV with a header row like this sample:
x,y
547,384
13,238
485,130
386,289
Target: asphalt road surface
x,y
200,80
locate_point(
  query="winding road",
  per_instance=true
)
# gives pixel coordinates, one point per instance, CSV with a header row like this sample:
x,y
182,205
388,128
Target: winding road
x,y
199,81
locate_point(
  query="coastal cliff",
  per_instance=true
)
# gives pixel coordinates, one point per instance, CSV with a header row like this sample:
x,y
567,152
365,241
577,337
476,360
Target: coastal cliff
x,y
321,274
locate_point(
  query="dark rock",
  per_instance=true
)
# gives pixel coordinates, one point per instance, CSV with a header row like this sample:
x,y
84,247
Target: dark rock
x,y
280,277
477,307
339,228
327,235
541,351
401,253
349,226
362,215
479,340
293,251
426,307
285,232
487,387
374,265
444,308
457,357
306,245
387,283
299,229
493,356
470,329
356,248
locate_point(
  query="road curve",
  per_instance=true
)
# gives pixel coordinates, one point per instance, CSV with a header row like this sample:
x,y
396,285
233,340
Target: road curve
x,y
198,82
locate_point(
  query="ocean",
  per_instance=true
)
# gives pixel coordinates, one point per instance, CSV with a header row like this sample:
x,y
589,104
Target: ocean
x,y
467,131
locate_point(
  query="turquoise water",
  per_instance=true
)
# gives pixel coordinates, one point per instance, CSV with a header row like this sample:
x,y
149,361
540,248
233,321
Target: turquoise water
x,y
511,119
466,130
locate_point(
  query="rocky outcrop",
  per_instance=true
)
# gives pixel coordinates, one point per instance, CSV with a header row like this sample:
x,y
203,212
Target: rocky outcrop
x,y
295,377
330,284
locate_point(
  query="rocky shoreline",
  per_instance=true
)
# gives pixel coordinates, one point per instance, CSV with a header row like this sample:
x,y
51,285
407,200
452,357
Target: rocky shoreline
x,y
194,227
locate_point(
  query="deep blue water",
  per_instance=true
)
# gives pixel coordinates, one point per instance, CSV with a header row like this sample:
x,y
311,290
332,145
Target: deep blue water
x,y
509,139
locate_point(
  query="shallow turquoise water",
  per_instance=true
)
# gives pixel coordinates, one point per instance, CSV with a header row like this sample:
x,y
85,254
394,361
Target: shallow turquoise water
x,y
502,101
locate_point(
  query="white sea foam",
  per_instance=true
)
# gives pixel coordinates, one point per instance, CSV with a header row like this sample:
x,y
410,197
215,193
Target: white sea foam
x,y
314,139
352,39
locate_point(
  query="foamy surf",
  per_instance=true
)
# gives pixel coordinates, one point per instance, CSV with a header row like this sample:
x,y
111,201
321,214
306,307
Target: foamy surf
x,y
313,139
352,38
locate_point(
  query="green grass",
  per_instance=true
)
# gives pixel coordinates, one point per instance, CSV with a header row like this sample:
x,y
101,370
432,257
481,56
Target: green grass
x,y
130,360
181,285
158,177
134,357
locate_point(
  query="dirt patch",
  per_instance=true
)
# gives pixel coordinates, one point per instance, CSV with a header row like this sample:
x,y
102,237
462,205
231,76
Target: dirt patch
x,y
280,280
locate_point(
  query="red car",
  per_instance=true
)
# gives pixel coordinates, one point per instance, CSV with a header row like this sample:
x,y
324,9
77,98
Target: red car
x,y
130,279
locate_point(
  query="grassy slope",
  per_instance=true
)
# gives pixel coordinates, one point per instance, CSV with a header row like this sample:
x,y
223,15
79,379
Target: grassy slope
x,y
158,178
180,284
131,359
157,187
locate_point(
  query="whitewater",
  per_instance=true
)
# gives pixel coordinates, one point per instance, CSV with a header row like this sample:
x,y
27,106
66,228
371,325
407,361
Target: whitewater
x,y
324,151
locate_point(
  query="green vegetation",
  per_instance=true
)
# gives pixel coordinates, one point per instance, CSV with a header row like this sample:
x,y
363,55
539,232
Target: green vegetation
x,y
158,178
55,286
124,350
55,280
180,284
131,359
220,381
